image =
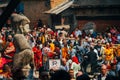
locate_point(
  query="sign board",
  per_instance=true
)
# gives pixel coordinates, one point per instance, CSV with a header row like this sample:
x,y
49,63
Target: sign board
x,y
54,63
62,26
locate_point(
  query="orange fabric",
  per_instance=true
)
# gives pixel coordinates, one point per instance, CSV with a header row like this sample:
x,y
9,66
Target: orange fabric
x,y
108,54
118,51
52,47
64,52
1,71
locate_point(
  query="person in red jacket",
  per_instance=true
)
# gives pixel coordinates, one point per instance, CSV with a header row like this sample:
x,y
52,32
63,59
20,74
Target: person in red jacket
x,y
37,56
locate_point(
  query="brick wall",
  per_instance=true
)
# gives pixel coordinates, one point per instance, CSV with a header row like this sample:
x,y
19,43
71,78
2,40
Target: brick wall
x,y
34,10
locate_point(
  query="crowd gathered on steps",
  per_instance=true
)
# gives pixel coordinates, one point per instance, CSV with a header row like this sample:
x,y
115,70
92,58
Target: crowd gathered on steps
x,y
83,55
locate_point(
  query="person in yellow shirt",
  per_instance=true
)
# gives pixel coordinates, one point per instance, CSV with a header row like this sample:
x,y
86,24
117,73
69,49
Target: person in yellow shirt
x,y
65,52
52,46
113,47
42,38
108,52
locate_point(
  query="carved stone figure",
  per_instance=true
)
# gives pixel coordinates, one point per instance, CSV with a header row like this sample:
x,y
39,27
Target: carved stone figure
x,y
23,57
20,23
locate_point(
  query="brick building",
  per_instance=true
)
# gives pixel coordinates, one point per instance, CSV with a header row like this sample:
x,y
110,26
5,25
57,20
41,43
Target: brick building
x,y
34,10
100,13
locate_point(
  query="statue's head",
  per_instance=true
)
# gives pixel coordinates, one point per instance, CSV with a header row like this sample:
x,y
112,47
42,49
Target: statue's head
x,y
20,23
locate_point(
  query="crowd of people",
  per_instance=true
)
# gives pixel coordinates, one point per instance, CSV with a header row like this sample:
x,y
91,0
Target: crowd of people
x,y
83,55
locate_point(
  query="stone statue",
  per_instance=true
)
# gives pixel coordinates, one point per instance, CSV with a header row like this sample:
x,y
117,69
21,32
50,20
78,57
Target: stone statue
x,y
23,57
20,23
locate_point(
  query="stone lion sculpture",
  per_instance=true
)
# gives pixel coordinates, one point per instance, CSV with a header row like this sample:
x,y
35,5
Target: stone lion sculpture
x,y
22,58
20,23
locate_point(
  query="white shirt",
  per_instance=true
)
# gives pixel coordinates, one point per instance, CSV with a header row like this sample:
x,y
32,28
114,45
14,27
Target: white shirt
x,y
75,67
